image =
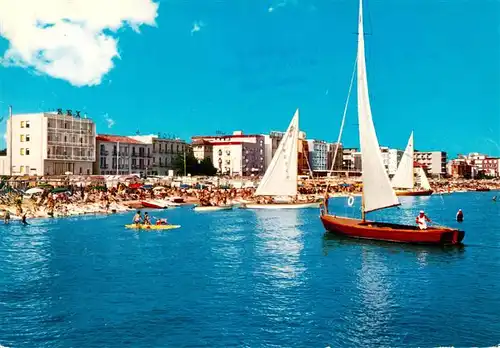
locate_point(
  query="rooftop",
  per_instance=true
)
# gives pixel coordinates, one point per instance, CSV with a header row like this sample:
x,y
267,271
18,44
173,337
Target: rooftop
x,y
117,139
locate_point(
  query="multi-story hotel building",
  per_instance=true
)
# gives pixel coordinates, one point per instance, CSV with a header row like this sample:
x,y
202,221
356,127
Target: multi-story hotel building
x,y
434,161
236,154
164,151
491,166
49,143
120,155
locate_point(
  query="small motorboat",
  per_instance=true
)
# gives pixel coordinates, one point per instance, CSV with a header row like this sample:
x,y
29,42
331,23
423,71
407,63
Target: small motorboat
x,y
155,204
177,199
280,206
212,207
414,192
152,227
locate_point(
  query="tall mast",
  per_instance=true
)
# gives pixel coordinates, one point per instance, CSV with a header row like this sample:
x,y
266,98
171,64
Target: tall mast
x,y
10,140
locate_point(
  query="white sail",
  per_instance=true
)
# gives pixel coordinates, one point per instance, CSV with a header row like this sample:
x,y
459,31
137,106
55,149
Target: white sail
x,y
377,189
280,178
424,182
404,175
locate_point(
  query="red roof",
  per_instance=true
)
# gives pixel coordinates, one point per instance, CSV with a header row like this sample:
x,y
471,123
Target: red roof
x,y
201,142
116,139
225,136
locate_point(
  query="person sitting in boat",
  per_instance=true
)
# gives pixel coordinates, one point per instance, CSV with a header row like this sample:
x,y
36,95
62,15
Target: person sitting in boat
x,y
161,222
137,218
422,220
460,215
147,220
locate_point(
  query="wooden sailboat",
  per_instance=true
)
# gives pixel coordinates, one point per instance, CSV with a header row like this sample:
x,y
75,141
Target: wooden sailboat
x,y
280,179
404,180
377,190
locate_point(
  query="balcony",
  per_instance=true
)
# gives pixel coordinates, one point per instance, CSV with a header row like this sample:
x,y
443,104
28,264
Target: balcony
x,y
104,166
104,153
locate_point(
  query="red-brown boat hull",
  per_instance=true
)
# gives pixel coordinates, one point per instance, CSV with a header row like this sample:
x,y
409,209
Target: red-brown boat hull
x,y
391,232
414,193
146,204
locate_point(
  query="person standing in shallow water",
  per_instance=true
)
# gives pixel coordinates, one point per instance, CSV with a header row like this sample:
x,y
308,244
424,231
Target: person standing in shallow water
x,y
460,215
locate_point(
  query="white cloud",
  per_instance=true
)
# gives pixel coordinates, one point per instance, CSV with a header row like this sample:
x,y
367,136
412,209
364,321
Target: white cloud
x,y
197,27
283,3
275,7
73,40
109,121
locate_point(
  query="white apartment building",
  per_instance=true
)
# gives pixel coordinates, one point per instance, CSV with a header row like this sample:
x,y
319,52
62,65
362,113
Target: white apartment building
x,y
49,143
434,161
237,154
202,149
164,151
120,155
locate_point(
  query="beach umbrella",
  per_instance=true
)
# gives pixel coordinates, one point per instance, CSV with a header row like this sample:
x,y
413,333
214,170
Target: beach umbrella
x,y
33,191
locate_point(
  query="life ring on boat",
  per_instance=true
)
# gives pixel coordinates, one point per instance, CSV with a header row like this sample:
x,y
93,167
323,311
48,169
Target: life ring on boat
x,y
350,201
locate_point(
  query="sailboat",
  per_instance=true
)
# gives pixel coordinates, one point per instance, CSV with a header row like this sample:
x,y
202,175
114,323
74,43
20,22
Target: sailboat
x,y
377,191
404,179
280,179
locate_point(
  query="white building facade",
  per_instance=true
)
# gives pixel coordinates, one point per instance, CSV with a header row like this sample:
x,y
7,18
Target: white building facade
x,y
50,143
237,154
163,151
434,161
120,155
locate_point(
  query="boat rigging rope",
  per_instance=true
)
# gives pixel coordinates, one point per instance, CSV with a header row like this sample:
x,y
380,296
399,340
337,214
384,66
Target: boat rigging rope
x,y
343,120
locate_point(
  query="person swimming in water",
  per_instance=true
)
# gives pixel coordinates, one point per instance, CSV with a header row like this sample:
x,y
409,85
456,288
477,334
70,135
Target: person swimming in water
x,y
23,219
460,215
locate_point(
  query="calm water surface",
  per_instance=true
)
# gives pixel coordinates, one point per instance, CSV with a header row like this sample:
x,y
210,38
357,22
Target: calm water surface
x,y
250,278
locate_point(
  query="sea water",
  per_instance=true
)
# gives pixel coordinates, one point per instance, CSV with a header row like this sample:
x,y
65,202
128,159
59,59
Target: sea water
x,y
250,278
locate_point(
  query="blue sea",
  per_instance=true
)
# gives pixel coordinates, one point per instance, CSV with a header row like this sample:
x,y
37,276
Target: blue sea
x,y
250,279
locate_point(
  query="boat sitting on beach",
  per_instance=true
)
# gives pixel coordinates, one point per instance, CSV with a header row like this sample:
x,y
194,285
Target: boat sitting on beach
x,y
208,208
155,204
377,191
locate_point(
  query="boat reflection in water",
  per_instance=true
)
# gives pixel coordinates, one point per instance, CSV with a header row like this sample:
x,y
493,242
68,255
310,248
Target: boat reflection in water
x,y
279,276
279,241
331,242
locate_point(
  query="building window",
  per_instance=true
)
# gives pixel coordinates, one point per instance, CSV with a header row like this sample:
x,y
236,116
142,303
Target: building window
x,y
21,169
22,152
23,124
27,152
22,137
28,137
27,124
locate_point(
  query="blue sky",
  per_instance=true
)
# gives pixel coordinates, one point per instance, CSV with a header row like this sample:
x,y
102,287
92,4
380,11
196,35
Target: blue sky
x,y
194,67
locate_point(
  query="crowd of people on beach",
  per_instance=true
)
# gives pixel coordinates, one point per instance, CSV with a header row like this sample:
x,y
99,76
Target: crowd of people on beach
x,y
79,199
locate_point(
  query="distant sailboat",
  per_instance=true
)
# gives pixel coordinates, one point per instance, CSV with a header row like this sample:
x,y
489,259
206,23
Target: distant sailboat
x,y
404,181
280,178
377,191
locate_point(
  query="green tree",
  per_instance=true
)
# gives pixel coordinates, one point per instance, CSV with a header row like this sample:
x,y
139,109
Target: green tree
x,y
191,164
206,167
